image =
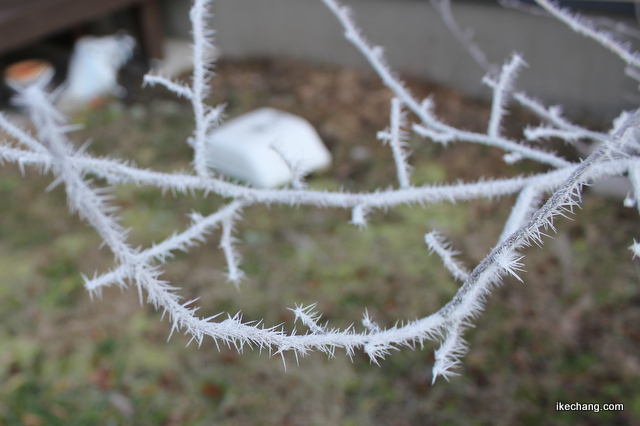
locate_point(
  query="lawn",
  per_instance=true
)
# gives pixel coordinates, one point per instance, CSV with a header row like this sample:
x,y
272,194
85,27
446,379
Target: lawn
x,y
569,333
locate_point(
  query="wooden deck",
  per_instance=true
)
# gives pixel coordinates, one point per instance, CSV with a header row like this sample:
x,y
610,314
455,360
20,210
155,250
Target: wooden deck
x,y
25,21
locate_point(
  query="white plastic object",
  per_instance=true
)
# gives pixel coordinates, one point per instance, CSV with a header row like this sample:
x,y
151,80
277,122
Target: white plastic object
x,y
262,146
94,65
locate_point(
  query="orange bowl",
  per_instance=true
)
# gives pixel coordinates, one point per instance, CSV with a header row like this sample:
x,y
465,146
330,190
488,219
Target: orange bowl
x,y
27,71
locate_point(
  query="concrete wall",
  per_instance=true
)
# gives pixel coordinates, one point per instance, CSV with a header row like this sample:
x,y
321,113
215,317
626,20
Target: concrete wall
x,y
564,68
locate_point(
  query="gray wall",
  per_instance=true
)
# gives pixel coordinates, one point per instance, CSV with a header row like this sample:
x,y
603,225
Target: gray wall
x,y
564,68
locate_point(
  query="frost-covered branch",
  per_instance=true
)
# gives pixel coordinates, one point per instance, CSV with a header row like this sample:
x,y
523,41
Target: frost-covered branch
x,y
582,26
160,252
557,190
504,258
464,37
437,244
234,273
634,178
501,91
431,126
526,204
295,167
202,56
396,137
177,88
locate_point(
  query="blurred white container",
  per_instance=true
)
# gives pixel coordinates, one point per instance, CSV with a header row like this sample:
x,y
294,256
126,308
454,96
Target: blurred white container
x,y
93,69
251,148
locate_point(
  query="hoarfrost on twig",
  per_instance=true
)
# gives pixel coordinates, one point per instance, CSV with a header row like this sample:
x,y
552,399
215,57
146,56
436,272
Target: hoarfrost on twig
x,y
50,150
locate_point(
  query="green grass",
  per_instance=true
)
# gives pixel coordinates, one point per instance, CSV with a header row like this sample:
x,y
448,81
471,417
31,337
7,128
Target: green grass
x,y
569,333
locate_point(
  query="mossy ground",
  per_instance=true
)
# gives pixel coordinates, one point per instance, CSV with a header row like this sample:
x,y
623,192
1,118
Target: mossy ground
x,y
569,333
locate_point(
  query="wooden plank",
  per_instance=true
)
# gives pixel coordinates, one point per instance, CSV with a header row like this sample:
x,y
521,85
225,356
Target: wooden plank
x,y
25,21
150,29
